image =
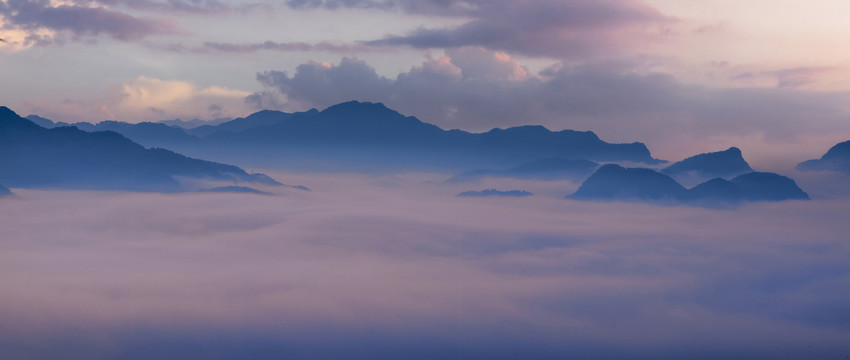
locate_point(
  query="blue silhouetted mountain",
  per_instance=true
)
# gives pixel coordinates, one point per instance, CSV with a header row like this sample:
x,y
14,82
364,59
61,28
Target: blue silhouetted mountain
x,y
67,157
148,134
235,189
614,182
362,136
357,136
194,123
4,191
836,159
494,192
754,186
257,119
542,169
722,164
43,122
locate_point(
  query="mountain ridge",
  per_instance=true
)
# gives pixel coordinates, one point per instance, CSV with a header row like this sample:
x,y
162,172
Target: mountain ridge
x,y
363,135
67,157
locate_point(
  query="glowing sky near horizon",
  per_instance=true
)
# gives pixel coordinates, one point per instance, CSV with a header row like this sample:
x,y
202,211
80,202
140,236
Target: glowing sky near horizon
x,y
700,74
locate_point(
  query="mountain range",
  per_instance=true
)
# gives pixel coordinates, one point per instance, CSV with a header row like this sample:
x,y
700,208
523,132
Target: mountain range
x,y
614,182
32,156
369,136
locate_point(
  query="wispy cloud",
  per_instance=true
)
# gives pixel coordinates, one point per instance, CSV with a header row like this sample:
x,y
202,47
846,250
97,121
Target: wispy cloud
x,y
554,28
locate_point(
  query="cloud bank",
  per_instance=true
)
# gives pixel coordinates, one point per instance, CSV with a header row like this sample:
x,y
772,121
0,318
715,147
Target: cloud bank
x,y
387,266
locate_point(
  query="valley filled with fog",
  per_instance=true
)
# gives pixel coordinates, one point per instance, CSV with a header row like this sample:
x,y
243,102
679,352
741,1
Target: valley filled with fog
x,y
397,266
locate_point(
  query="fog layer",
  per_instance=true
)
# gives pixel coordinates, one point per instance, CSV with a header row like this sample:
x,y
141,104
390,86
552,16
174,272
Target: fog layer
x,y
398,267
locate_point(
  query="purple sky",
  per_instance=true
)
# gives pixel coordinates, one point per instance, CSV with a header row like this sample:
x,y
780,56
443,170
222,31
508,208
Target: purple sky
x,y
684,77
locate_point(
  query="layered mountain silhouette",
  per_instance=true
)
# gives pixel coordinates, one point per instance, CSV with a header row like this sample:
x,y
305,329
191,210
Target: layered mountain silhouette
x,y
614,182
194,123
543,169
67,157
369,136
836,159
149,134
722,164
257,119
494,192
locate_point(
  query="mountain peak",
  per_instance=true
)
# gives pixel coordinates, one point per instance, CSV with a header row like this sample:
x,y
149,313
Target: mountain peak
x,y
837,158
727,163
5,112
359,108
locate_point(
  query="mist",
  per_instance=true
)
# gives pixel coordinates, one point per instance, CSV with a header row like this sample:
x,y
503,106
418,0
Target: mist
x,y
396,266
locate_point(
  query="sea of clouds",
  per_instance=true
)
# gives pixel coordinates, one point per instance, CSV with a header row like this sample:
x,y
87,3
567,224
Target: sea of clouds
x,y
396,266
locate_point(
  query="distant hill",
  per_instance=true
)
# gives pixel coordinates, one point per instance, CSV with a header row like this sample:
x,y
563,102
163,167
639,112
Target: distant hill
x,y
43,122
257,119
357,136
149,134
4,191
722,164
494,192
194,123
67,157
614,182
542,169
755,186
836,159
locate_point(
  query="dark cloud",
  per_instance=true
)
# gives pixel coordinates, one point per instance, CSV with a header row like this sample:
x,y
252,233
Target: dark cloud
x,y
323,83
81,21
175,6
556,28
84,20
284,46
477,90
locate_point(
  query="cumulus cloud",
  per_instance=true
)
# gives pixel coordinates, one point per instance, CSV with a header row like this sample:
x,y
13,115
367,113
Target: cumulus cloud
x,y
477,89
146,99
412,265
554,28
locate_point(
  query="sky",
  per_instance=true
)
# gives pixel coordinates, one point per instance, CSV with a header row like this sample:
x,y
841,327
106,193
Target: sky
x,y
396,266
682,76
